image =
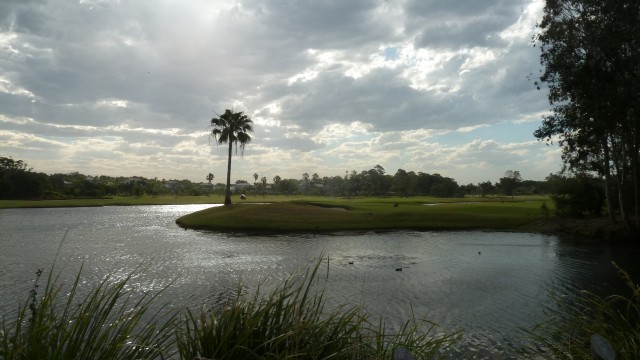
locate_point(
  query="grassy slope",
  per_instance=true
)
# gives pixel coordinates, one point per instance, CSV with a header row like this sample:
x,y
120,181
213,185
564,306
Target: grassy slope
x,y
325,214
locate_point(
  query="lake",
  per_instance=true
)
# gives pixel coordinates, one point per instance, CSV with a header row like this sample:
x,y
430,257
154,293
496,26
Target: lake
x,y
487,283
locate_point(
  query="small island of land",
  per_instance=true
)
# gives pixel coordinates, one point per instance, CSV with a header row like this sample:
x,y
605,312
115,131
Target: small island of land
x,y
341,214
280,214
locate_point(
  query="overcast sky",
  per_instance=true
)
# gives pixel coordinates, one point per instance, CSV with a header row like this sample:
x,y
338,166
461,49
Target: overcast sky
x,y
128,87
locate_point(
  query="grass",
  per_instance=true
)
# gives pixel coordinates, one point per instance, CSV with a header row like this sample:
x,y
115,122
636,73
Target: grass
x,y
289,323
567,334
217,199
105,324
292,323
115,201
333,214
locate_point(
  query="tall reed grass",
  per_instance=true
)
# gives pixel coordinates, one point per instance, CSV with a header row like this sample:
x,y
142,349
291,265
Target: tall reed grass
x,y
567,334
106,323
291,322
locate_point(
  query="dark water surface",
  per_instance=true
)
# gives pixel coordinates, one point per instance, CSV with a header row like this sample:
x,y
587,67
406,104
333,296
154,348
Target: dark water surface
x,y
487,283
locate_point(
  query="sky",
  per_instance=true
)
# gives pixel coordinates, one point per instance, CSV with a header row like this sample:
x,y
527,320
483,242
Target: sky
x,y
129,87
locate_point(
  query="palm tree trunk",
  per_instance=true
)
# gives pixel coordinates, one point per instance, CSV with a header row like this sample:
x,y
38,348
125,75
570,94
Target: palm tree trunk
x,y
227,195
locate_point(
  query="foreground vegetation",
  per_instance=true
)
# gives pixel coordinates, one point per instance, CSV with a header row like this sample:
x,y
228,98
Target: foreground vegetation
x,y
333,214
112,322
568,333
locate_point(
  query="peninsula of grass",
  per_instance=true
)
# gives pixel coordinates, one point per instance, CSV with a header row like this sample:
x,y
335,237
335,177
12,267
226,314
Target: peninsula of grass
x,y
368,214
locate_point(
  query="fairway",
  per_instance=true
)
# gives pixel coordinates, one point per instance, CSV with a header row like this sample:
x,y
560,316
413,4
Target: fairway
x,y
332,214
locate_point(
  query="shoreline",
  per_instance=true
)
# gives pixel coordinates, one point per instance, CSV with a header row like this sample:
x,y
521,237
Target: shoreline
x,y
453,217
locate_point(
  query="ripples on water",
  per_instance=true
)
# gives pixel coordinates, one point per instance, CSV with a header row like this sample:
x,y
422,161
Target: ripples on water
x,y
487,283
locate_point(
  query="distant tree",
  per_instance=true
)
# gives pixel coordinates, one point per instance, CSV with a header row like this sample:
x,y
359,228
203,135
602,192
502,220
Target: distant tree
x,y
209,178
470,189
232,128
18,182
443,186
510,182
8,164
404,182
305,180
486,188
263,180
288,186
374,181
276,181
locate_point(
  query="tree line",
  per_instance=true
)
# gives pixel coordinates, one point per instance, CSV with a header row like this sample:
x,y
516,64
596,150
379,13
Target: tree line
x,y
18,181
575,196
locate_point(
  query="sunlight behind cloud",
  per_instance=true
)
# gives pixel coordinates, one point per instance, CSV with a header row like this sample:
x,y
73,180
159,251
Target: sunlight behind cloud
x,y
330,86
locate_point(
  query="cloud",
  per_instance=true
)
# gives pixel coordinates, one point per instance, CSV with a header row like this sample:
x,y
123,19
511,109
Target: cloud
x,y
129,88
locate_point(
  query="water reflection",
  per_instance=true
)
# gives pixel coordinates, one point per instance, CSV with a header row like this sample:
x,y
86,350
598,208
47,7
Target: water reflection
x,y
489,283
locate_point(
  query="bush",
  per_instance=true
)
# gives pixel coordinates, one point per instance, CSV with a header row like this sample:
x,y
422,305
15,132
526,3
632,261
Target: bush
x,y
577,196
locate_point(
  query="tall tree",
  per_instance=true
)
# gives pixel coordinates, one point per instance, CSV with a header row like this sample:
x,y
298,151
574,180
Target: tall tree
x,y
590,53
276,181
263,180
209,178
510,182
232,128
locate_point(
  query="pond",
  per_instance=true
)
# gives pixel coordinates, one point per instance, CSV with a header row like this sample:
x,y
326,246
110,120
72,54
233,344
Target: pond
x,y
487,283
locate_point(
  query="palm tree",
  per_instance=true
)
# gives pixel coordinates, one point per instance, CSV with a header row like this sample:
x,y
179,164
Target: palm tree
x,y
255,180
276,182
209,178
264,184
233,128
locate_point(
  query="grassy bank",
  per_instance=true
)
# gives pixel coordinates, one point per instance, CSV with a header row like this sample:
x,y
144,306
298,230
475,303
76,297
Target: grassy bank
x,y
114,201
333,214
219,199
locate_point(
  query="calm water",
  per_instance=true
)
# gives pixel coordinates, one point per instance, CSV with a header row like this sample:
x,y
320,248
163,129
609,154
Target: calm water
x,y
487,283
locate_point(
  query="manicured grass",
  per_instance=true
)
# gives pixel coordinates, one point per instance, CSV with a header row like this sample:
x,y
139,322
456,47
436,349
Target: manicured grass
x,y
332,214
115,201
219,199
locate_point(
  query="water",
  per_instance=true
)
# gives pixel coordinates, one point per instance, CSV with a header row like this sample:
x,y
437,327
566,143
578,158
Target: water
x,y
487,283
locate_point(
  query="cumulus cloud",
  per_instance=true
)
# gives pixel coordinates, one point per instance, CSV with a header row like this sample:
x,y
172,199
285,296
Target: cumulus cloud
x,y
128,88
